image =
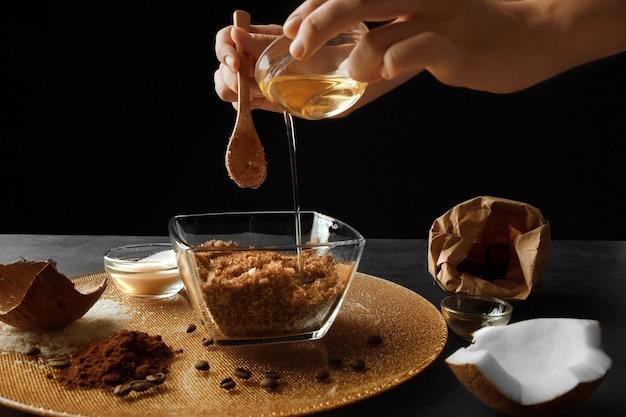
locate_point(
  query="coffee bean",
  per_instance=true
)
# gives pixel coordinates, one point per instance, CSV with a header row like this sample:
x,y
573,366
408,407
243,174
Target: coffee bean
x,y
272,375
242,373
357,364
334,360
33,351
228,384
207,341
269,383
201,365
59,363
191,328
156,379
122,390
322,375
374,340
141,385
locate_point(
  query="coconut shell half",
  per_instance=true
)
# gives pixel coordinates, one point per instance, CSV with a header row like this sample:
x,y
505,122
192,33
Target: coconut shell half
x,y
492,396
534,368
35,296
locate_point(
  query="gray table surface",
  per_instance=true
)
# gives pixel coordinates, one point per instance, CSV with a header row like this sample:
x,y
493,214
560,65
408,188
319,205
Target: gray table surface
x,y
583,279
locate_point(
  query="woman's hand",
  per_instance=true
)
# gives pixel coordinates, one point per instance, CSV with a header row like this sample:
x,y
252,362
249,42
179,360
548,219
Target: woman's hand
x,y
253,44
492,45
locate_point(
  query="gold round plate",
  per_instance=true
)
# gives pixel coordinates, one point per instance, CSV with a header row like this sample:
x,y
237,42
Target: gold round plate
x,y
412,329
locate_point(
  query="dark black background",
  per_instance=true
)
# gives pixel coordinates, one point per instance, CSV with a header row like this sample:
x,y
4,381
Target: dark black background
x,y
110,125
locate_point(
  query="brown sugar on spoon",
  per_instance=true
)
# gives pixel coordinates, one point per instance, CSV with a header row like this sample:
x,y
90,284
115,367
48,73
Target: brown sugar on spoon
x,y
245,157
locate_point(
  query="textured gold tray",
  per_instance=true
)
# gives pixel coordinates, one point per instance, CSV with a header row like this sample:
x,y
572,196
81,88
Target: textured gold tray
x,y
413,332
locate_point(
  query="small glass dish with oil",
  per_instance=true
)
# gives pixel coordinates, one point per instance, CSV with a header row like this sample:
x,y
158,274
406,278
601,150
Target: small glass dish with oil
x,y
316,88
466,313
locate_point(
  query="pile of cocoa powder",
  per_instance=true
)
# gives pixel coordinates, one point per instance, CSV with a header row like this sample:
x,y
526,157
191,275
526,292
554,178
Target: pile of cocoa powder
x,y
124,356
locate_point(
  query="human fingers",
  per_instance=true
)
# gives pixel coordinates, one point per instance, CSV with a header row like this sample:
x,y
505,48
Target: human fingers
x,y
295,18
252,43
225,77
456,57
225,49
226,87
376,52
316,21
406,46
225,83
423,50
453,62
259,37
402,46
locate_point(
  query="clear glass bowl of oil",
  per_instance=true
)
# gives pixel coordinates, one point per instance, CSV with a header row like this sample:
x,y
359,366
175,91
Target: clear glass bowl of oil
x,y
466,313
316,88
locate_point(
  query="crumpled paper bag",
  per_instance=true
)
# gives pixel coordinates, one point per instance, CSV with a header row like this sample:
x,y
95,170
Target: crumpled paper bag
x,y
489,246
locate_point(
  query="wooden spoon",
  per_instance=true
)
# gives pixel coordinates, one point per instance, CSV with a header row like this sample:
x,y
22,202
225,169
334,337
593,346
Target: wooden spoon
x,y
245,158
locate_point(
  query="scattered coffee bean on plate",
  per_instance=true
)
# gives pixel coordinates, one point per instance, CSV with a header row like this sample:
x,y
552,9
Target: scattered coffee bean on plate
x,y
59,363
228,384
201,365
322,375
122,390
156,379
357,364
191,328
33,351
141,385
206,341
272,374
269,383
334,360
374,340
242,373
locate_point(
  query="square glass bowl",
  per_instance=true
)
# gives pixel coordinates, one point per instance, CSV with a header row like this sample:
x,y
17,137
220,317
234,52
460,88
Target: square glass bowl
x,y
252,279
146,270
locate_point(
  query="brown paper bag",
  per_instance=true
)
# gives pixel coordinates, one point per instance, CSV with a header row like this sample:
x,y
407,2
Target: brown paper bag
x,y
489,246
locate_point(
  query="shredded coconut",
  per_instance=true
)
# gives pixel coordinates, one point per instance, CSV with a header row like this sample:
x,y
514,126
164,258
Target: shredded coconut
x,y
103,319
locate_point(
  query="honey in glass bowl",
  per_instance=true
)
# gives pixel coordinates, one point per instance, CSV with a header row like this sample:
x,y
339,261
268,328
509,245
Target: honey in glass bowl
x,y
316,88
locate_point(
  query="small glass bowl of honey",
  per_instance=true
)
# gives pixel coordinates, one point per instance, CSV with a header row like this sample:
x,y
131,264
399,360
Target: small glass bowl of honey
x,y
316,88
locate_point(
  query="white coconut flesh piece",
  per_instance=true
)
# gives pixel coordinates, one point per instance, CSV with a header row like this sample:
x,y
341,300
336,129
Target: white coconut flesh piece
x,y
533,362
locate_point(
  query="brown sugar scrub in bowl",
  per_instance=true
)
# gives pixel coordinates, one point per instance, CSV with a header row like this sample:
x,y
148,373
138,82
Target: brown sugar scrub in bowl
x,y
262,293
252,279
